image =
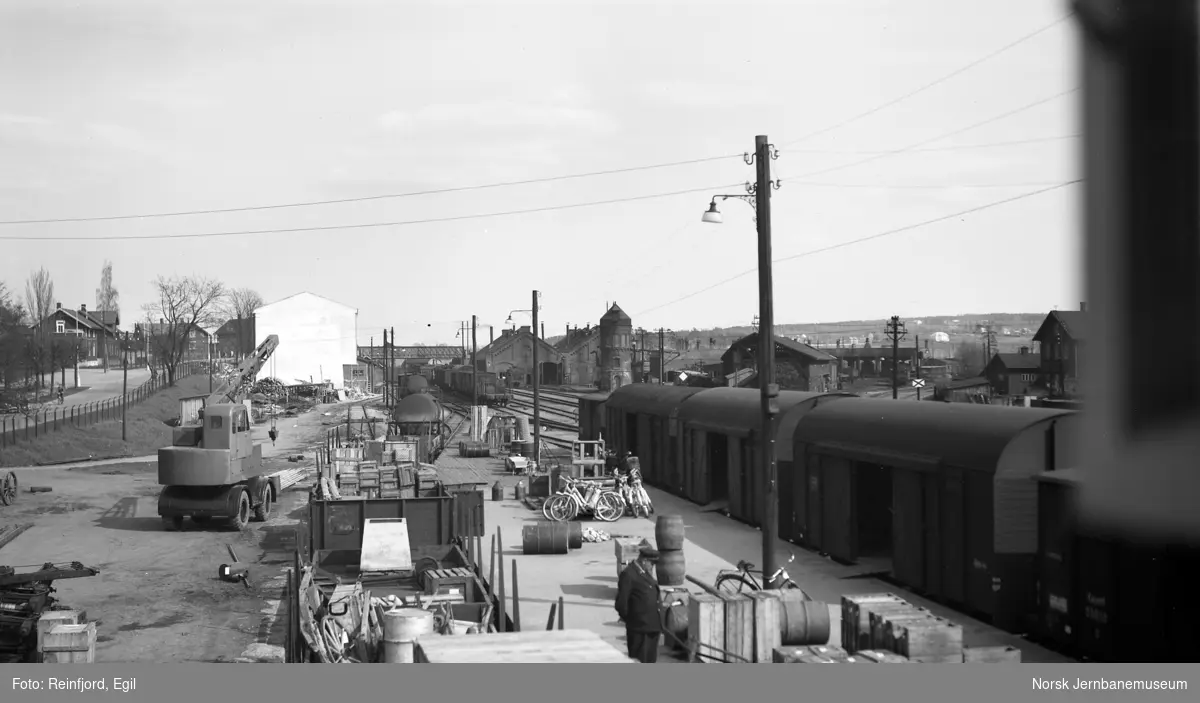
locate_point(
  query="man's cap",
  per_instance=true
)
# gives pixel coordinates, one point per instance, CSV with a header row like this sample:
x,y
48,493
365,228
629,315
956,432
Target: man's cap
x,y
648,553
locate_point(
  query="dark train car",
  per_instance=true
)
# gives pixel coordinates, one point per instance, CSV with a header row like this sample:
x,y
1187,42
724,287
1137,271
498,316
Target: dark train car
x,y
1109,599
411,383
644,419
490,387
720,428
941,491
593,417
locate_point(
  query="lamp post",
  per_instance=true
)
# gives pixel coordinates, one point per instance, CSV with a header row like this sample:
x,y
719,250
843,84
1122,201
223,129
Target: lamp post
x,y
759,197
537,372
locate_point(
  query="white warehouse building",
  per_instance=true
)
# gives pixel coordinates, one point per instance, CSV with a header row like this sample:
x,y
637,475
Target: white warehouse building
x,y
317,338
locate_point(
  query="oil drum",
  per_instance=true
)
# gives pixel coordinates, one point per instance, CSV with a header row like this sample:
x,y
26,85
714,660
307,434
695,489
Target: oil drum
x,y
546,538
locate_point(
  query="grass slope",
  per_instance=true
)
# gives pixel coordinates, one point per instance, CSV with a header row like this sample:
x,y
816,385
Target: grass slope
x,y
146,431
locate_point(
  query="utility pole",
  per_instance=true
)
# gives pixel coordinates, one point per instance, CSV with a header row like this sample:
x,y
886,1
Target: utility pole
x,y
210,366
387,386
537,403
917,360
642,359
125,383
662,357
895,331
474,378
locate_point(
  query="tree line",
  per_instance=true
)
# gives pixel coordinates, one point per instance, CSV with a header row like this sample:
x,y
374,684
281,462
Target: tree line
x,y
31,348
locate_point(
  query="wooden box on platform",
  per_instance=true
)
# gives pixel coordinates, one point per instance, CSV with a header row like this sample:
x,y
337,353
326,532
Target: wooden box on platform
x,y
706,627
811,654
931,641
534,646
884,618
54,618
991,655
627,549
856,618
70,644
739,627
768,622
459,582
881,656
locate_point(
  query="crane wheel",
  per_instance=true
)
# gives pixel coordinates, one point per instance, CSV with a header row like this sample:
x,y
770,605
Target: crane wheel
x,y
263,511
242,519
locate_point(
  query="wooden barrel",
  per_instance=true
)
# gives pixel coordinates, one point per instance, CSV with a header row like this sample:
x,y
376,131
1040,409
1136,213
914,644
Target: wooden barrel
x,y
575,534
546,538
671,568
805,622
402,627
668,533
497,492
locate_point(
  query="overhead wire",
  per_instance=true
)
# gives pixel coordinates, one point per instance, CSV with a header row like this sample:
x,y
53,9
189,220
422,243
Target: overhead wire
x,y
931,84
860,240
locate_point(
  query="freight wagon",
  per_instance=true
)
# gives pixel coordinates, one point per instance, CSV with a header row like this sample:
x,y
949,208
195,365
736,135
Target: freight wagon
x,y
489,387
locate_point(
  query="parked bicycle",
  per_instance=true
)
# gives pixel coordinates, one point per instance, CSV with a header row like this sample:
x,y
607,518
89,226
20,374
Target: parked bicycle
x,y
743,581
575,499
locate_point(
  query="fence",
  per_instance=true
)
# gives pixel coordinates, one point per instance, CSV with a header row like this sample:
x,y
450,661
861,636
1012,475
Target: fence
x,y
29,427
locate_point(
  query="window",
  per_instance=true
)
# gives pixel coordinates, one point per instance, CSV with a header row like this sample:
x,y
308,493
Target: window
x,y
60,326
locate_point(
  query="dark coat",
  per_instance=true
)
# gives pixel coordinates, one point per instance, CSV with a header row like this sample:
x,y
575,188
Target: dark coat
x,y
637,599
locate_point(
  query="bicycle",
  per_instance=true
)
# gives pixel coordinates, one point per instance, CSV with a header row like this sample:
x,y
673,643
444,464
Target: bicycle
x,y
742,580
569,502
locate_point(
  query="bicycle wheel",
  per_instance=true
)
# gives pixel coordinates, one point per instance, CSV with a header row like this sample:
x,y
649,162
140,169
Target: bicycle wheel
x,y
548,504
734,583
609,507
563,509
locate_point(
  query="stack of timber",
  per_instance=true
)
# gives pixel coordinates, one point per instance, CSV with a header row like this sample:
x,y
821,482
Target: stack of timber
x,y
734,628
886,622
554,646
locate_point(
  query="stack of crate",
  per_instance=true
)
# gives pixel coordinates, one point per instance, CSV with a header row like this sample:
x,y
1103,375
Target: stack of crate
x,y
65,637
739,627
397,482
885,621
368,479
345,469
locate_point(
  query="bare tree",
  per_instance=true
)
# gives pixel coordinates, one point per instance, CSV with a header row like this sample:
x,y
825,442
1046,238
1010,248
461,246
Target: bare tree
x,y
970,356
184,306
12,317
238,306
107,300
39,295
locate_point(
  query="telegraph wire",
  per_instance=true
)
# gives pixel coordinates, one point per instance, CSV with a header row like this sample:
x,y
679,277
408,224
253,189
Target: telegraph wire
x,y
366,198
919,186
367,225
931,84
957,147
879,235
884,154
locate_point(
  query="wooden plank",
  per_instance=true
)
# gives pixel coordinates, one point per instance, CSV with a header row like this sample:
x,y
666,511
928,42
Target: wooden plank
x,y
768,620
739,627
706,626
932,641
880,656
991,655
811,654
856,623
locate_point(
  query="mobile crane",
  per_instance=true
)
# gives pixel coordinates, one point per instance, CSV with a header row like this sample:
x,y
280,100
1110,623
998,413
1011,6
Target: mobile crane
x,y
209,471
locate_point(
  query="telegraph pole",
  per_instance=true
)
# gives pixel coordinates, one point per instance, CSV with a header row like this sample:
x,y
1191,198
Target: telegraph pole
x,y
387,386
537,403
392,366
895,331
125,382
474,375
662,357
917,360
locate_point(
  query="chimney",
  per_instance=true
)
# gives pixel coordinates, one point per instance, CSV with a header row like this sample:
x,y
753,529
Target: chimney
x,y
543,336
1083,307
82,308
59,306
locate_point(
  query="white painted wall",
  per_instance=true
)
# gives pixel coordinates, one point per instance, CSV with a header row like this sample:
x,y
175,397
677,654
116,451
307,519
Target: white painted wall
x,y
316,336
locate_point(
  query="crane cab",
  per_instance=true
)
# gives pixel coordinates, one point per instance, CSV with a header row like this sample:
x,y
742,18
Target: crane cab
x,y
218,451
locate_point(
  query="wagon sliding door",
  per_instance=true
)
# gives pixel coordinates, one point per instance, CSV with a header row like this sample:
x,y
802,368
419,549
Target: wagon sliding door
x,y
839,528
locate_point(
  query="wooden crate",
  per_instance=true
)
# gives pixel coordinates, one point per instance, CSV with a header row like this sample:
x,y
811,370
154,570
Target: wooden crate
x,y
739,627
626,549
457,581
856,623
811,654
932,641
880,656
53,618
70,644
883,620
991,655
768,624
706,627
877,615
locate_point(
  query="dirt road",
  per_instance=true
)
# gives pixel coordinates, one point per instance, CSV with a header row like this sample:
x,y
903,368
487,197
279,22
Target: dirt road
x,y
158,598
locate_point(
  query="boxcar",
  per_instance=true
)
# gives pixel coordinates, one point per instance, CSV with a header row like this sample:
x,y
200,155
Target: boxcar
x,y
643,419
942,490
1109,599
593,417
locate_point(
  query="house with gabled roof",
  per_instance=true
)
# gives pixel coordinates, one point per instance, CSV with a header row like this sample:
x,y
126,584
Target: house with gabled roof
x,y
1061,338
511,355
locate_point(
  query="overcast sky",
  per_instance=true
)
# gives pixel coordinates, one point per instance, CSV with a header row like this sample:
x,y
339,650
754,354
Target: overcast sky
x,y
117,107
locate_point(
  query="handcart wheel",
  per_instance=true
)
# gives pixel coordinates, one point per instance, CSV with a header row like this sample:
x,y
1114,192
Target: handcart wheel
x,y
9,488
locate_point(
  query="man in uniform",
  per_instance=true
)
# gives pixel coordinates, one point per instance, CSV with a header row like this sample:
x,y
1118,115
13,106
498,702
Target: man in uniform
x,y
637,604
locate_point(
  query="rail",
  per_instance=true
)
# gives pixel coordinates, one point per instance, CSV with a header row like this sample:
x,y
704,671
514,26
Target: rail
x,y
40,420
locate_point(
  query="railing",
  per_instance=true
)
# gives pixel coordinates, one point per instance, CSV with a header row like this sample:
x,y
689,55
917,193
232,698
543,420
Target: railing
x,y
27,427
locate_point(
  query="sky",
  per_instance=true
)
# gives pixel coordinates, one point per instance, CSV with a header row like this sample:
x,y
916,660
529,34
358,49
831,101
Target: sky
x,y
119,108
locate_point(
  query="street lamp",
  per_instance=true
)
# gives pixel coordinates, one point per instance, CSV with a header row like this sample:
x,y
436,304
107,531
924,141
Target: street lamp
x,y
759,197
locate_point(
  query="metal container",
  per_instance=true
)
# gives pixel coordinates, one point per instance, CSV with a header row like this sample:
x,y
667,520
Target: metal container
x,y
1058,611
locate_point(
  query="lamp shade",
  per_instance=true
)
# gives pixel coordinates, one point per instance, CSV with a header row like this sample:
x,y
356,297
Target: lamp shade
x,y
713,216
